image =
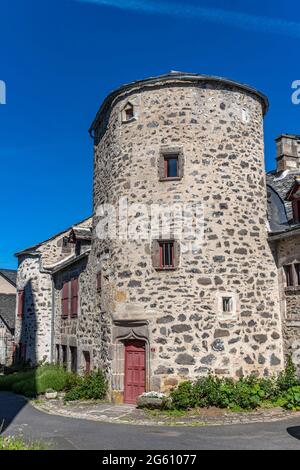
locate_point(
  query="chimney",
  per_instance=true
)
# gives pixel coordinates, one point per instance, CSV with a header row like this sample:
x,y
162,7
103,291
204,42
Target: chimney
x,y
288,152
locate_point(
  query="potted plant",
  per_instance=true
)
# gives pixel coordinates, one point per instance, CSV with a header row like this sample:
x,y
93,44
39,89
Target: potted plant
x,y
50,394
152,400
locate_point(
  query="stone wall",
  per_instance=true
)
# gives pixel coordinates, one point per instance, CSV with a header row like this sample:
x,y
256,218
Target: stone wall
x,y
35,328
80,331
219,131
6,345
288,252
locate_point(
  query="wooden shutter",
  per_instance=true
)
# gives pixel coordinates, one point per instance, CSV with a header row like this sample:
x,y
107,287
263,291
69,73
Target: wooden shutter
x,y
155,253
20,303
74,297
65,300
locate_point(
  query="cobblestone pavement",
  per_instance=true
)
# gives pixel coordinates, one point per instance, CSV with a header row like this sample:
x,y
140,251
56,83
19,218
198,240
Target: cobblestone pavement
x,y
107,412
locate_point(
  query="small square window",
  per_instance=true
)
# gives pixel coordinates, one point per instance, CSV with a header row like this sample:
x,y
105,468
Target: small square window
x,y
227,305
171,166
165,254
128,112
166,251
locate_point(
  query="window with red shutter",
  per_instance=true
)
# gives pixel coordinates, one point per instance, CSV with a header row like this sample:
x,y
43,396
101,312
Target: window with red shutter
x,y
74,298
166,254
20,303
65,300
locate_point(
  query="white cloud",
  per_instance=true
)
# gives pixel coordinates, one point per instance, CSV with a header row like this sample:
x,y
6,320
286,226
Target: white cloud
x,y
239,20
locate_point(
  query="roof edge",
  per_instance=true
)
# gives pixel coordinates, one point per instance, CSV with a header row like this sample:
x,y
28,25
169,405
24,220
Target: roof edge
x,y
175,76
30,250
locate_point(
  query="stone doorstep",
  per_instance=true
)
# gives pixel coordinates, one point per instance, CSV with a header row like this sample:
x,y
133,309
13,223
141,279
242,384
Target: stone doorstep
x,y
129,414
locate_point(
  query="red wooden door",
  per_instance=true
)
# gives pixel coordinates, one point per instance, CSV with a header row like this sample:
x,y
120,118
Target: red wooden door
x,y
134,383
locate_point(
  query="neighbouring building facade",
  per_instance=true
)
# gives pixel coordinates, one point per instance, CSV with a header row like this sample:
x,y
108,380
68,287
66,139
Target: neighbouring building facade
x,y
8,290
153,310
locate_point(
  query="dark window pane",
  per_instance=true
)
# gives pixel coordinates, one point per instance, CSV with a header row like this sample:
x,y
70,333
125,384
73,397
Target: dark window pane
x,y
288,275
227,304
171,167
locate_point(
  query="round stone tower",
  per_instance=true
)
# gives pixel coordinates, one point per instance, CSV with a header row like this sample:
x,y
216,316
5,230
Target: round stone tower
x,y
199,291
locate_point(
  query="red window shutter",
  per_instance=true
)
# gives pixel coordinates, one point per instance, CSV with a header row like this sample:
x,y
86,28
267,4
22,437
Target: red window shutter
x,y
74,300
166,167
20,303
65,299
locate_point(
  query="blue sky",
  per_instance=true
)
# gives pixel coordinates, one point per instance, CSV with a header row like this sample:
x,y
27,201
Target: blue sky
x,y
59,59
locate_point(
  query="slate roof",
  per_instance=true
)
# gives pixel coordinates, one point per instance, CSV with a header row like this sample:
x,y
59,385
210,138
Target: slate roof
x,y
10,275
33,248
278,185
8,310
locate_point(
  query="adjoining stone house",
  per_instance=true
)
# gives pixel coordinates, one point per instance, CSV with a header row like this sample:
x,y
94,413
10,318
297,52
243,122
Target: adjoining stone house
x,y
40,334
159,309
283,186
8,279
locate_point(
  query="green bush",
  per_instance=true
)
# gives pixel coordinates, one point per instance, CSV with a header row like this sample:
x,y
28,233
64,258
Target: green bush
x,y
183,396
246,393
89,387
292,398
36,381
288,378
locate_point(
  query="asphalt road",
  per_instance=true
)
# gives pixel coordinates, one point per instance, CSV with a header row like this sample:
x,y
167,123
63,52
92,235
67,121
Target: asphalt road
x,y
19,417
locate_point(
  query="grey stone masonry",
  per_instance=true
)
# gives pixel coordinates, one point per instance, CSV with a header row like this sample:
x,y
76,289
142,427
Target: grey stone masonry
x,y
218,128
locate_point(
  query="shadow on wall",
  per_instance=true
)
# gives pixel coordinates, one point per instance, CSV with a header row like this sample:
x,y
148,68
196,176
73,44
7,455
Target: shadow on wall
x,y
22,379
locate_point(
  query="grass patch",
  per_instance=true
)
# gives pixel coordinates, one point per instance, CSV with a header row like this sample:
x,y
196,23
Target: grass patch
x,y
36,381
18,443
166,413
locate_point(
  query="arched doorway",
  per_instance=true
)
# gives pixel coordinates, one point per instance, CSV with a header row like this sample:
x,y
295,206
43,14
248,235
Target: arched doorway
x,y
135,369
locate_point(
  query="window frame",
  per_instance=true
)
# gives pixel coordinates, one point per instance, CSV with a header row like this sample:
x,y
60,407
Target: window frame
x,y
232,314
289,275
164,156
156,254
162,255
124,111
